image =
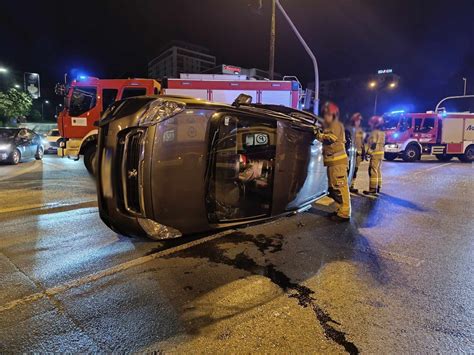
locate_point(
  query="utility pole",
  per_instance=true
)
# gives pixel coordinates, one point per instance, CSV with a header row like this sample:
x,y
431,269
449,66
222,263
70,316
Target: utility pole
x,y
375,102
271,65
465,85
310,53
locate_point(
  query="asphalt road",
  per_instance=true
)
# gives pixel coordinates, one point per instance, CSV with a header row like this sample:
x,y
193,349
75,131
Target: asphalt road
x,y
397,279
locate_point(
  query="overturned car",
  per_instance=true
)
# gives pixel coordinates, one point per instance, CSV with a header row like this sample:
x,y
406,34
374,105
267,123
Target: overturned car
x,y
170,165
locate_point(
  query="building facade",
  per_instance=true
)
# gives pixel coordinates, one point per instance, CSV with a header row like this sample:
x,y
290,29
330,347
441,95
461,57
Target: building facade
x,y
180,57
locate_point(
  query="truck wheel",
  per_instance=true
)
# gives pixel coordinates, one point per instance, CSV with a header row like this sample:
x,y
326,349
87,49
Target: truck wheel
x,y
411,153
90,160
390,156
468,156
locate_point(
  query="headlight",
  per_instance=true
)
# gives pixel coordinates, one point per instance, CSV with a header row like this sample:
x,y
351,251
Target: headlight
x,y
160,109
392,145
5,146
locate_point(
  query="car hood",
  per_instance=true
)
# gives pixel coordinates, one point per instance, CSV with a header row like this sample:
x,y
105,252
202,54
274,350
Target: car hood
x,y
7,140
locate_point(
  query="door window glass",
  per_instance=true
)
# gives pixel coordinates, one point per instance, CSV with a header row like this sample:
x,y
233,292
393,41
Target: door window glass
x,y
405,124
243,154
428,125
418,124
108,98
82,100
131,92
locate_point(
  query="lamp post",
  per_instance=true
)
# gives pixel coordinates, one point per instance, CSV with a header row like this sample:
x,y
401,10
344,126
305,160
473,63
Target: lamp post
x,y
42,108
308,51
465,85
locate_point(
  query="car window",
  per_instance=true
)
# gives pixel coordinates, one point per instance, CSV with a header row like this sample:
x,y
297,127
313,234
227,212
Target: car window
x,y
131,92
53,133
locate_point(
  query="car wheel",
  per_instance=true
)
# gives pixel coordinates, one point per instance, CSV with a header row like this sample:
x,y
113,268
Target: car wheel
x,y
468,156
39,153
90,160
411,153
390,156
16,157
443,157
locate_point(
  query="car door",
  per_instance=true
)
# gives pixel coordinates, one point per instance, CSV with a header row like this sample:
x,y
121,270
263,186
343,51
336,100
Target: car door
x,y
32,142
23,143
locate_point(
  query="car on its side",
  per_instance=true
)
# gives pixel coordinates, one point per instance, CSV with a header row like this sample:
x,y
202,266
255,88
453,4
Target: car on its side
x,y
171,165
19,144
51,141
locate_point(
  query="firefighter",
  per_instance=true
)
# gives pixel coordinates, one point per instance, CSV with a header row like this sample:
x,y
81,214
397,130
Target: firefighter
x,y
375,150
358,136
335,159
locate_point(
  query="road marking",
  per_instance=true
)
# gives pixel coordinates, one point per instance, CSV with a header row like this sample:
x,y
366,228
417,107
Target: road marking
x,y
50,292
432,168
42,206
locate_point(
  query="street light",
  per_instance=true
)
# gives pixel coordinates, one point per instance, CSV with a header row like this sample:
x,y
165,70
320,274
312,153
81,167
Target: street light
x,y
3,70
372,84
16,86
392,85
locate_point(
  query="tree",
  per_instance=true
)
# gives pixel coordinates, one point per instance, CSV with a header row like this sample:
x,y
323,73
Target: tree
x,y
14,103
35,115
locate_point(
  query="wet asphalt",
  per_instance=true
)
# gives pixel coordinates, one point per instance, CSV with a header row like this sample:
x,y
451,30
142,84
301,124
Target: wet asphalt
x,y
397,279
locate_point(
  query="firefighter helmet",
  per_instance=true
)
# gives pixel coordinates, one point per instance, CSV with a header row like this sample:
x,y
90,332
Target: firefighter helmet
x,y
356,117
330,108
376,121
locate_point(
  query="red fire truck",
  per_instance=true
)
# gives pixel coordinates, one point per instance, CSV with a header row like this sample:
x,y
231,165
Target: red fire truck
x,y
444,135
88,97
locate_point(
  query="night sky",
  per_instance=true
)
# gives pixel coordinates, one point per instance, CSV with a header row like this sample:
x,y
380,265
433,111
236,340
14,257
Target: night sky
x,y
430,44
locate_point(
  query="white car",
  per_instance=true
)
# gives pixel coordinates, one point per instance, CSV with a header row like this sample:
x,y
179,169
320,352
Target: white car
x,y
50,141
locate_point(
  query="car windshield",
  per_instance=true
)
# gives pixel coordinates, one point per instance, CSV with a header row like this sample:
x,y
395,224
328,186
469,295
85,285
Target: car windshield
x,y
8,133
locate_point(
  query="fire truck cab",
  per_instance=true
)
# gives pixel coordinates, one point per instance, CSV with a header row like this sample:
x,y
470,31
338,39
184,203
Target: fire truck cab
x,y
85,101
444,135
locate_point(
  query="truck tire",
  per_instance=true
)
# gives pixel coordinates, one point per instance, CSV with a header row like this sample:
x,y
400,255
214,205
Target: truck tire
x,y
411,153
390,156
90,160
443,157
468,156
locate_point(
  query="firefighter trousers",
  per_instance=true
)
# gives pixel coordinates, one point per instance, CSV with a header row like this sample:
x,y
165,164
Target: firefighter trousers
x,y
375,174
356,169
339,189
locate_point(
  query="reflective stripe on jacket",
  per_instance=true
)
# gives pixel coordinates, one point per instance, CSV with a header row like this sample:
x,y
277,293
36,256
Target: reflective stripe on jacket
x,y
334,149
376,142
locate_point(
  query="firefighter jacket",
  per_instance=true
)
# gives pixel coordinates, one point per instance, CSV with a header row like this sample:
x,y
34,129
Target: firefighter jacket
x,y
358,135
333,139
375,143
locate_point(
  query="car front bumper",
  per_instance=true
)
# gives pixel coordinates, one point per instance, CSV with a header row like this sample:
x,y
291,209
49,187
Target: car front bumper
x,y
392,148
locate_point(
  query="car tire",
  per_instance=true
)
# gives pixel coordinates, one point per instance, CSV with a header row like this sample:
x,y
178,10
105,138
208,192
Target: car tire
x,y
443,157
90,160
468,156
39,153
390,156
411,154
16,157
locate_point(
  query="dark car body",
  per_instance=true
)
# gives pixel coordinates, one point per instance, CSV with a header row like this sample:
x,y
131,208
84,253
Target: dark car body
x,y
204,165
17,144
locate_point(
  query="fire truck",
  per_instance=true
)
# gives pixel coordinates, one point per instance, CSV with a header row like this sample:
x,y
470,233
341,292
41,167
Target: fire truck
x,y
442,134
87,98
85,101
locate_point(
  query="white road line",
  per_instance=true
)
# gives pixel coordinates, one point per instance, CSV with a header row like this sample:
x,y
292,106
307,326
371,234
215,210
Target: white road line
x,y
107,272
432,168
42,206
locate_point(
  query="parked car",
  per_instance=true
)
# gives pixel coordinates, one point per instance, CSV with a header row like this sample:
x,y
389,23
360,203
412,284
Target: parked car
x,y
18,144
170,165
51,141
